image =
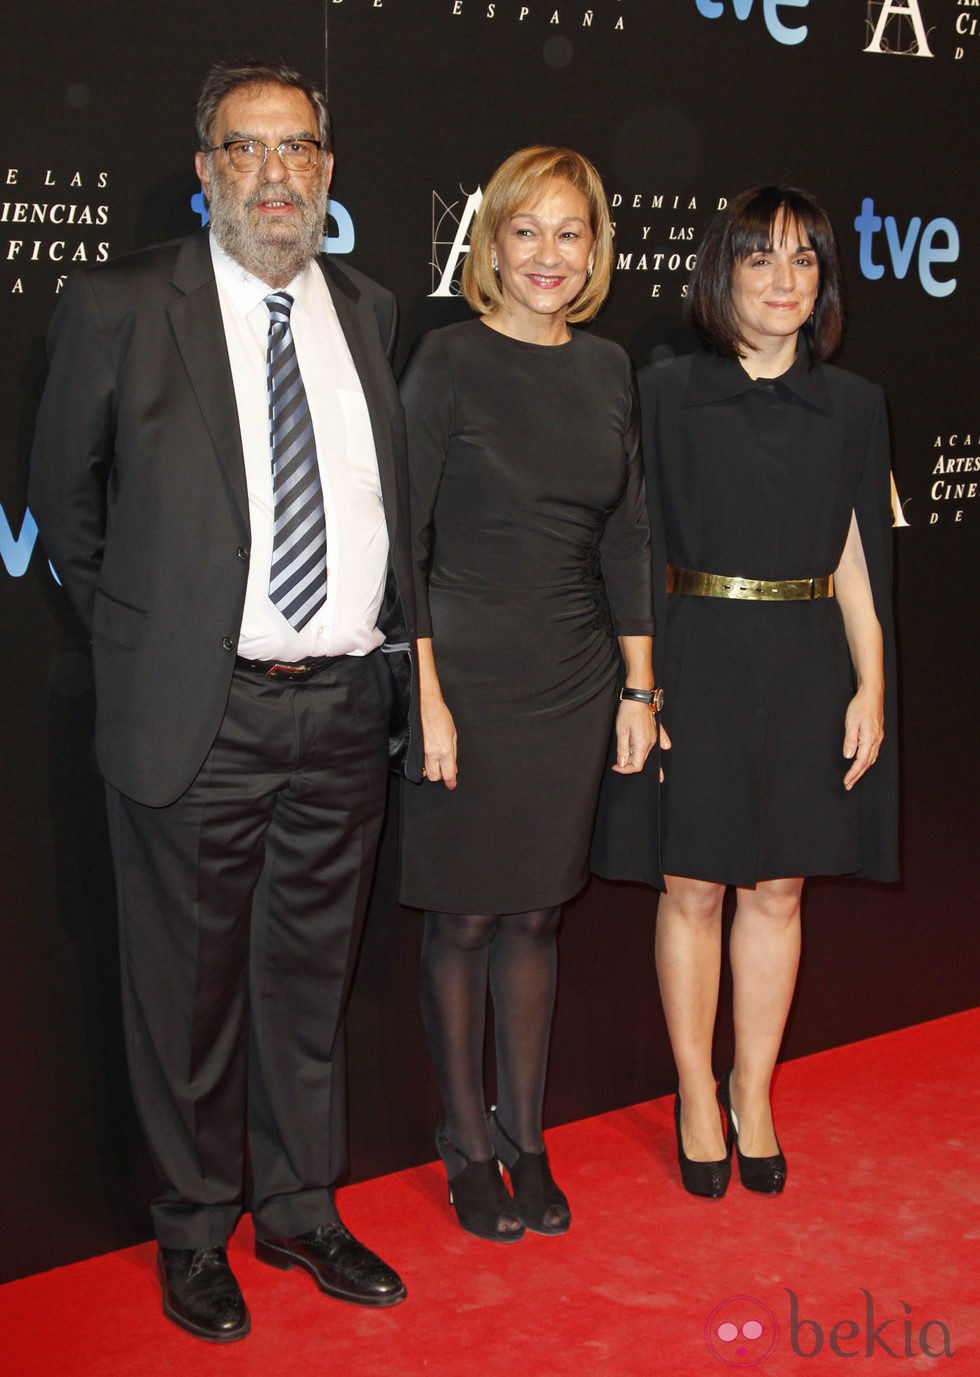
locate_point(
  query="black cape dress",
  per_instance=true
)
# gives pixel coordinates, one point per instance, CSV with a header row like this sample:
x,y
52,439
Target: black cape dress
x,y
758,479
533,552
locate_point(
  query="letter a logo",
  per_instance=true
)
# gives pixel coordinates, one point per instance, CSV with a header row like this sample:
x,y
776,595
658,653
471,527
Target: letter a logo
x,y
898,29
457,246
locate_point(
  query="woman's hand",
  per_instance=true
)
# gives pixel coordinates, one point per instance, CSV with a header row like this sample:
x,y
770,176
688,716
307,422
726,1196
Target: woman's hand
x,y
636,736
865,717
863,733
439,742
636,725
438,727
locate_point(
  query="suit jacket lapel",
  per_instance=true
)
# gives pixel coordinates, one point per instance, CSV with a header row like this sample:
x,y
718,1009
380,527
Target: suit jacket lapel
x,y
195,318
373,370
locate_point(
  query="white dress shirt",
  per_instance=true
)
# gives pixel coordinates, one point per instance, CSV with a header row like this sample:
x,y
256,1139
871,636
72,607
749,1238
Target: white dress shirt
x,y
357,537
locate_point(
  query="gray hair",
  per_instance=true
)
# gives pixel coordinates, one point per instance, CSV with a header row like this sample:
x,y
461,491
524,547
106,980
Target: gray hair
x,y
225,77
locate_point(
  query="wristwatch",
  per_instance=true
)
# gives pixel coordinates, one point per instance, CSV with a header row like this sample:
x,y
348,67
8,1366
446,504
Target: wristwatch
x,y
654,698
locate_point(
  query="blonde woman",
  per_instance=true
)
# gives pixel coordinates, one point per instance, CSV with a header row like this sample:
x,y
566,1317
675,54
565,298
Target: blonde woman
x,y
532,549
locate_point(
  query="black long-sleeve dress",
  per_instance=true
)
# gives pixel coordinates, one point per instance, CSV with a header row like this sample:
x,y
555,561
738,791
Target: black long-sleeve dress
x,y
527,497
758,479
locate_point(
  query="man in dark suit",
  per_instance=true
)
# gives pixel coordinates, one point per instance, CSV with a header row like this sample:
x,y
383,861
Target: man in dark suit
x,y
219,478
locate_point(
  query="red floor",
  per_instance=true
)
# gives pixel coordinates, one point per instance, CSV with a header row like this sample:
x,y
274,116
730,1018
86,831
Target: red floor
x,y
869,1255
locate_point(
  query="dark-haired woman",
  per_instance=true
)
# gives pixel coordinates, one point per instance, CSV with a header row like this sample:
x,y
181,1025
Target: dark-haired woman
x,y
769,473
527,501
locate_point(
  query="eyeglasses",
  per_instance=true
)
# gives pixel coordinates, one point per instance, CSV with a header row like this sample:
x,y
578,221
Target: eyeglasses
x,y
248,155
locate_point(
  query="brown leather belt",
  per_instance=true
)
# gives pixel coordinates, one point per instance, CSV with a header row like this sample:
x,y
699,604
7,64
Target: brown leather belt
x,y
752,590
281,670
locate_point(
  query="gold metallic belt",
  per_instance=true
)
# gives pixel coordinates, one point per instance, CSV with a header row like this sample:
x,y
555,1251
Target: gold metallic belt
x,y
754,590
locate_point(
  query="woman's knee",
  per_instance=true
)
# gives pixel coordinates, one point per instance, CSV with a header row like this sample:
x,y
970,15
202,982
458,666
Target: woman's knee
x,y
692,902
536,924
466,931
771,901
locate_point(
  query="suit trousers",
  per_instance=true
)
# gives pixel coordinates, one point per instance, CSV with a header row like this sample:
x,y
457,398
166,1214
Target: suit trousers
x,y
241,907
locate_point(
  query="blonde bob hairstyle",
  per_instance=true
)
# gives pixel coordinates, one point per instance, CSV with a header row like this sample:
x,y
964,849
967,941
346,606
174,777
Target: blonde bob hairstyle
x,y
517,183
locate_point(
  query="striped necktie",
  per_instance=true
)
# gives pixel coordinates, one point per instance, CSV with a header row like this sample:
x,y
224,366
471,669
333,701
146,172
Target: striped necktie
x,y
298,578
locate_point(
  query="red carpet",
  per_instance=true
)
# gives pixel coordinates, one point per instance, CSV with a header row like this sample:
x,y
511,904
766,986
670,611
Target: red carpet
x,y
874,1237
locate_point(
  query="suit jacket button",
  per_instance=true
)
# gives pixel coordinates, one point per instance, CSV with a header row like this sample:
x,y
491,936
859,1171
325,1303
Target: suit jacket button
x,y
241,552
227,643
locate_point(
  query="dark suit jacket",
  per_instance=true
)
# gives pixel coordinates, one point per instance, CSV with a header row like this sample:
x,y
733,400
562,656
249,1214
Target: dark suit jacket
x,y
138,487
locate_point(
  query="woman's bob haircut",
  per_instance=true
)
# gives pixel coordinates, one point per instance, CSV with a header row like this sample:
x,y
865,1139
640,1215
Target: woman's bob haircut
x,y
517,184
747,226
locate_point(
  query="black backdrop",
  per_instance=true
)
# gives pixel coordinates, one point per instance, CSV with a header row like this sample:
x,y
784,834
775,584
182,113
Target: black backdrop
x,y
680,103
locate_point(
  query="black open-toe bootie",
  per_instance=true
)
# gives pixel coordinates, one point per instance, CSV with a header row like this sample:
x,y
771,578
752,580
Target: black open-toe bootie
x,y
478,1195
541,1205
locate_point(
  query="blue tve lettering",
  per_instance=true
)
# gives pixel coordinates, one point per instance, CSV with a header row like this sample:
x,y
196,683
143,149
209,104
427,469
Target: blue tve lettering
x,y
16,553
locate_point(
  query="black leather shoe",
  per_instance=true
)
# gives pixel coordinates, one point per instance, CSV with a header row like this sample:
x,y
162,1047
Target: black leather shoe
x,y
201,1295
767,1175
709,1179
338,1264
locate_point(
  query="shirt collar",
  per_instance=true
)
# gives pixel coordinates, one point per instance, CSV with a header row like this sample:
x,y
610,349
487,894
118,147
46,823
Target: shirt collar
x,y
716,379
246,291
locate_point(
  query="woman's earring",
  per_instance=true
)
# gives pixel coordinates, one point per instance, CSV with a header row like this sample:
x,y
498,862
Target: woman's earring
x,y
588,271
493,262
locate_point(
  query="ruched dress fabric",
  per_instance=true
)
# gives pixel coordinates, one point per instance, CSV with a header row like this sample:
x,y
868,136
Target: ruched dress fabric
x,y
759,479
528,509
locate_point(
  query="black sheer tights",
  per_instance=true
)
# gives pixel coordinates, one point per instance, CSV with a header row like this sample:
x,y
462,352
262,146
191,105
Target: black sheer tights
x,y
516,953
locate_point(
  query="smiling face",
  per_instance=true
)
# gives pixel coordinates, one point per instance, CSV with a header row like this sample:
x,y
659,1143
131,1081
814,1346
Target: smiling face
x,y
271,221
774,289
543,252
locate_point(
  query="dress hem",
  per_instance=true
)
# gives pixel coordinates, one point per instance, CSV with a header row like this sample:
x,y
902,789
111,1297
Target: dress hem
x,y
498,907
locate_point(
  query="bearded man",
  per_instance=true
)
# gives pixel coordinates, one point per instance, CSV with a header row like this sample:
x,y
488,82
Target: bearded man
x,y
219,478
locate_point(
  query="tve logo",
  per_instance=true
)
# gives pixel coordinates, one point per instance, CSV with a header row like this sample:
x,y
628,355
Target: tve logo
x,y
16,551
938,243
341,242
780,31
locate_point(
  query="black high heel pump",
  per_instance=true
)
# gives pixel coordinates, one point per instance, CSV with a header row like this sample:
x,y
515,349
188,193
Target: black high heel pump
x,y
708,1179
478,1195
537,1199
767,1175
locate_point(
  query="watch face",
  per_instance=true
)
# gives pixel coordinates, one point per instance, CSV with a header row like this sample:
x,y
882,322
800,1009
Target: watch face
x,y
658,700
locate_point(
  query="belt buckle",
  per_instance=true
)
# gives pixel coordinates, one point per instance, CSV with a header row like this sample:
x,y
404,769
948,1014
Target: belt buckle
x,y
813,588
294,674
